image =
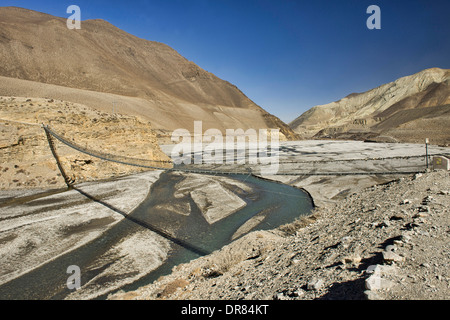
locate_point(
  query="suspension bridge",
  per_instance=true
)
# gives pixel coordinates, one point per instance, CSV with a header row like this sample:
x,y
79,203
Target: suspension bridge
x,y
287,167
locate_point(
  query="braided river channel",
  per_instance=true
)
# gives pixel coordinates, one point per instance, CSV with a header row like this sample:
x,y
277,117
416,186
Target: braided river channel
x,y
185,215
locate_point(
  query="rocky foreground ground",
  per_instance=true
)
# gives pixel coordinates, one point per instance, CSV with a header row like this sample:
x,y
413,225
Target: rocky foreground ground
x,y
389,241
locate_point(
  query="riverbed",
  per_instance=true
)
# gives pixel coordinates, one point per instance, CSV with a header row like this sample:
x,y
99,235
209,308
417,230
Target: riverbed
x,y
182,217
107,229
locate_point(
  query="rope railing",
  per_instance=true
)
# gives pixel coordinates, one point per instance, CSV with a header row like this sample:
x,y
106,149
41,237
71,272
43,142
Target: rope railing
x,y
145,163
365,159
69,182
21,122
226,170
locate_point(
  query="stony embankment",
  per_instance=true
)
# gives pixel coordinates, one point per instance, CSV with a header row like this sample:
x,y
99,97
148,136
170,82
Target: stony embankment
x,y
389,241
25,157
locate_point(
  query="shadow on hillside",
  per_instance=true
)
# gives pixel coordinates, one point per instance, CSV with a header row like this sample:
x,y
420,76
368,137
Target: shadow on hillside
x,y
348,290
160,232
354,289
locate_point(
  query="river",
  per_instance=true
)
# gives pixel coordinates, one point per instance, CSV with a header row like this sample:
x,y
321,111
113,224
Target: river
x,y
268,205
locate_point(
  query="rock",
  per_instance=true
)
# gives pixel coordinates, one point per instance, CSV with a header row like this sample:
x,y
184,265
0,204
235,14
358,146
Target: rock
x,y
405,237
295,261
372,268
353,259
420,215
390,248
346,241
427,200
371,295
390,256
376,282
380,269
405,201
383,224
297,293
315,284
417,176
424,209
397,217
279,296
411,226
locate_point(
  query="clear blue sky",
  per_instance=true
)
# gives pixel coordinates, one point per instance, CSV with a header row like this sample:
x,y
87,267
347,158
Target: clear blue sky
x,y
285,55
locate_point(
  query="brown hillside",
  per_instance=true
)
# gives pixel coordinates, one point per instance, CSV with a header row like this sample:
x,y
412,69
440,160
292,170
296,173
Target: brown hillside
x,y
386,112
102,58
27,162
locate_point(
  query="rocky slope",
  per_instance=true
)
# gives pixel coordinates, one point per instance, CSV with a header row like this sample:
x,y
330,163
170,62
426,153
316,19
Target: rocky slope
x,y
388,241
102,58
25,157
409,109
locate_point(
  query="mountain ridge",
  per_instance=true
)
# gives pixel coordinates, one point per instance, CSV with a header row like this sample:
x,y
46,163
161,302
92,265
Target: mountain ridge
x,y
366,115
100,57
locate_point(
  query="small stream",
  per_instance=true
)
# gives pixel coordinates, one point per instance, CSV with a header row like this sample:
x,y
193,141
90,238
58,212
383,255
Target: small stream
x,y
190,235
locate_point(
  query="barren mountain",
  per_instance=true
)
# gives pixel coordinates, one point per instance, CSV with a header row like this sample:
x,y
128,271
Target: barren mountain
x,y
172,92
409,109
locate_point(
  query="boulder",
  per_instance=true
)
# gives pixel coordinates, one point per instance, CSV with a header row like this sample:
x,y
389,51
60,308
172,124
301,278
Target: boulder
x,y
390,256
315,284
376,282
